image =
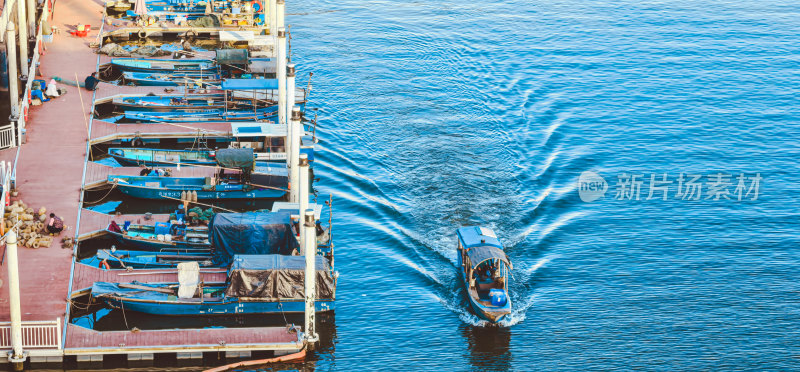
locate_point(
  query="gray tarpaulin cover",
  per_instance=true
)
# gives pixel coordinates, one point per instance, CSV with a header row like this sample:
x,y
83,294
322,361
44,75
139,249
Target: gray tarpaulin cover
x,y
276,276
236,158
250,233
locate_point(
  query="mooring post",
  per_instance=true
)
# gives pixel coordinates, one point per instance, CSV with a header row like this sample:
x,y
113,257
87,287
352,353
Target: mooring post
x,y
273,20
303,183
23,40
16,355
32,17
294,158
290,84
13,78
280,14
281,75
309,241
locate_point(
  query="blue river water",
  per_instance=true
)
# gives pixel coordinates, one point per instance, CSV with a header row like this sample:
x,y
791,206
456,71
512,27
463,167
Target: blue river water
x,y
679,251
436,115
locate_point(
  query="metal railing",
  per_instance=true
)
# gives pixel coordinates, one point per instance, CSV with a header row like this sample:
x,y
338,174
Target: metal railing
x,y
35,334
7,136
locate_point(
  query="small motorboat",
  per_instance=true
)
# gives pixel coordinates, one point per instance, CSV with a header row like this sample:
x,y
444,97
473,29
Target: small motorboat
x,y
256,284
267,141
161,236
225,185
163,65
169,80
124,259
484,269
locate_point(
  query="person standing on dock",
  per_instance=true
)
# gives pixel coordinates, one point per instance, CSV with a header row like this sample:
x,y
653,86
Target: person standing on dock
x,y
91,81
56,225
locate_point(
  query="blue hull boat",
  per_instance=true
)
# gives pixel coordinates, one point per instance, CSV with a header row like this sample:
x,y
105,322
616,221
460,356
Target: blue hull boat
x,y
140,117
163,65
155,187
153,238
484,268
155,79
123,259
245,292
132,157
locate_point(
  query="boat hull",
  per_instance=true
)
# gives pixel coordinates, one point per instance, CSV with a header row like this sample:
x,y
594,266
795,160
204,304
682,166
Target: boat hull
x,y
155,246
223,307
160,193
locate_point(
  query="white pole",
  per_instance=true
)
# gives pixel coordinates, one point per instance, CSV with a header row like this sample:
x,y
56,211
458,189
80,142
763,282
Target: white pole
x,y
294,157
13,79
303,186
45,11
281,74
289,105
17,356
273,21
280,13
310,242
31,17
23,40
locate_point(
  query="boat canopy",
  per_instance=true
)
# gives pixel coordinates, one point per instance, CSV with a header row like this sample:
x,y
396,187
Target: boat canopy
x,y
481,244
236,158
250,233
232,56
478,255
276,276
249,84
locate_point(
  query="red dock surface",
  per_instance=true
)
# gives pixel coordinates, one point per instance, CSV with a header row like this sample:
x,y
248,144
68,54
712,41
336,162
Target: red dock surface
x,y
50,164
85,341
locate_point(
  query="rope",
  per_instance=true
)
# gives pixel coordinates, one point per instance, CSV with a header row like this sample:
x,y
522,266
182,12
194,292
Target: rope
x,y
104,196
125,318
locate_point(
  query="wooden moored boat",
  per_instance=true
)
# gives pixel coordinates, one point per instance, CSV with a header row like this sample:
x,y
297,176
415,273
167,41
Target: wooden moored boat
x,y
161,236
245,292
169,80
207,188
484,267
267,141
163,65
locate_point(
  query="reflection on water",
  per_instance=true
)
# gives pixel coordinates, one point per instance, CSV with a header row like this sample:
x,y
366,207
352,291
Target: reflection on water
x,y
488,347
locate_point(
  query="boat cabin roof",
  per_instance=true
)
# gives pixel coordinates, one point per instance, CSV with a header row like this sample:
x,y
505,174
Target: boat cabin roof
x,y
249,84
256,129
473,236
482,245
294,208
275,262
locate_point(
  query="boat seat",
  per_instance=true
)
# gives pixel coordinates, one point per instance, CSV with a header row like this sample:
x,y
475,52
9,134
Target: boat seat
x,y
189,278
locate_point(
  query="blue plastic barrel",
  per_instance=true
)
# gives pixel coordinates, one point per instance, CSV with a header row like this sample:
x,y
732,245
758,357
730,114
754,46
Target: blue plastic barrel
x,y
498,297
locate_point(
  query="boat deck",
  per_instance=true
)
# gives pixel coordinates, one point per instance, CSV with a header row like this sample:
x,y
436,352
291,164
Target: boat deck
x,y
93,223
86,275
103,131
97,174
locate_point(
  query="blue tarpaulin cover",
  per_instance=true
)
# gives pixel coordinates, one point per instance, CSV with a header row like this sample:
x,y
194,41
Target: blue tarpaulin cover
x,y
249,84
250,233
236,158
